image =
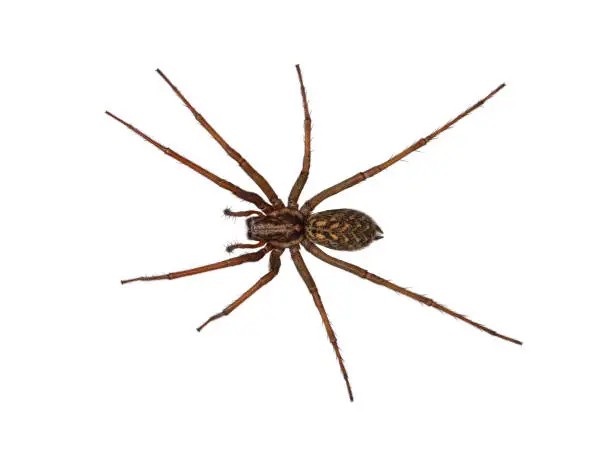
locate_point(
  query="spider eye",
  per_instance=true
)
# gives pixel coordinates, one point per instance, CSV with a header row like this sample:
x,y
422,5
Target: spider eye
x,y
249,224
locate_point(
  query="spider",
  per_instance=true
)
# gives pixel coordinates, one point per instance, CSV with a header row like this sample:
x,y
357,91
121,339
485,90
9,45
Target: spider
x,y
276,227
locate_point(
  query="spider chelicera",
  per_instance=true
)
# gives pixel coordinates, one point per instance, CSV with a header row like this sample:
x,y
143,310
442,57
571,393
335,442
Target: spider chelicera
x,y
276,227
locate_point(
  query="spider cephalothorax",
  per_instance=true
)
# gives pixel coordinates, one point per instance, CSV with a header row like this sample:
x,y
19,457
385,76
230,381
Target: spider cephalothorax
x,y
282,229
277,227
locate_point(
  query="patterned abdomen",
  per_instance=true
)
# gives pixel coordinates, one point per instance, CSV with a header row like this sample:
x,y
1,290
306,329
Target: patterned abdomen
x,y
342,229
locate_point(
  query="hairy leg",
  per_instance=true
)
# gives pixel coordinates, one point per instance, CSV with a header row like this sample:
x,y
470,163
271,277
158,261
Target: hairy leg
x,y
312,287
360,177
245,165
275,265
355,270
251,257
240,193
301,180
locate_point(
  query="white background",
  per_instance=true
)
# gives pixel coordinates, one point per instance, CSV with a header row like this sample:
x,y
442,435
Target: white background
x,y
504,218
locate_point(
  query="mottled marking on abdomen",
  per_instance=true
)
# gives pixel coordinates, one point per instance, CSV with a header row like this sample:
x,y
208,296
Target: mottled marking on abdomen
x,y
342,229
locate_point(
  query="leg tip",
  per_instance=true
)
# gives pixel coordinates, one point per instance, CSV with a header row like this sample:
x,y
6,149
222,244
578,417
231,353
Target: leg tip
x,y
130,280
510,339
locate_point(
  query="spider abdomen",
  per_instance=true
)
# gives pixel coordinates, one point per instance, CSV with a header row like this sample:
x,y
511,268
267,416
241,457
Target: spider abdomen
x,y
342,229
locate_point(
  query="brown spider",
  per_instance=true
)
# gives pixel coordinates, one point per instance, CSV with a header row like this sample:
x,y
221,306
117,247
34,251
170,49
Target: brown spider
x,y
278,227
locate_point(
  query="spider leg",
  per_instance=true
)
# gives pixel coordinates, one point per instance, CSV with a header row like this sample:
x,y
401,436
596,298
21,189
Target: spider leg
x,y
229,212
251,257
232,247
360,177
355,270
240,193
312,287
245,165
275,265
303,177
